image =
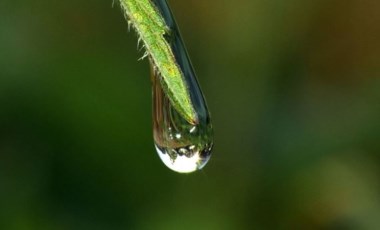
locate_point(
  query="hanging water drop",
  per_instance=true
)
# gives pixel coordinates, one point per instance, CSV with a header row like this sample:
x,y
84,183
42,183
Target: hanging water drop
x,y
183,146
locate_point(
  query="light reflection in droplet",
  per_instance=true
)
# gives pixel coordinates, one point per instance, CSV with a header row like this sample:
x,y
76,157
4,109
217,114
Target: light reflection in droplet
x,y
183,163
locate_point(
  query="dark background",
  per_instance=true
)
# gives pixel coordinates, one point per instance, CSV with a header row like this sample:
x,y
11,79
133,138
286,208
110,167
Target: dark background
x,y
293,88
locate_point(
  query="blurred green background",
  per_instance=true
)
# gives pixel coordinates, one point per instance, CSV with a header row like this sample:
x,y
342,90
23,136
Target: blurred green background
x,y
293,88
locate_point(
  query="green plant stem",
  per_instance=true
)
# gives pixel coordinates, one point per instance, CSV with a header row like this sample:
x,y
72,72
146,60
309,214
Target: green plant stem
x,y
151,28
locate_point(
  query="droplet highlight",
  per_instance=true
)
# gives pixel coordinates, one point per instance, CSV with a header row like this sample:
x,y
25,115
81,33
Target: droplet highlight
x,y
182,146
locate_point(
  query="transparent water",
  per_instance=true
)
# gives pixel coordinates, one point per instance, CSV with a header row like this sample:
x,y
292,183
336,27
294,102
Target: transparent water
x,y
183,147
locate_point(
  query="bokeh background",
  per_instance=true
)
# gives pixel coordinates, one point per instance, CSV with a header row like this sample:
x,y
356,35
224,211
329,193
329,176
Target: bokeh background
x,y
293,88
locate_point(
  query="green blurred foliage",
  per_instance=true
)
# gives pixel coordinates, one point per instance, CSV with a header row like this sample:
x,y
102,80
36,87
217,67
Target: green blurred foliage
x,y
293,87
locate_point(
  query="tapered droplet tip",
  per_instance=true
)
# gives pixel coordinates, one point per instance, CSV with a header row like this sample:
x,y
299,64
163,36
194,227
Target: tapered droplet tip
x,y
194,120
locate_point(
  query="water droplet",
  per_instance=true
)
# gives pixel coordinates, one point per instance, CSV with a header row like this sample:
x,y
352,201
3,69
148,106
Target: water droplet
x,y
183,147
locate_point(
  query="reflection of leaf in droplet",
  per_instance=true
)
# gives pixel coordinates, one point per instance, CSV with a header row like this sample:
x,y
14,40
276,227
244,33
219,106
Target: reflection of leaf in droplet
x,y
151,28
